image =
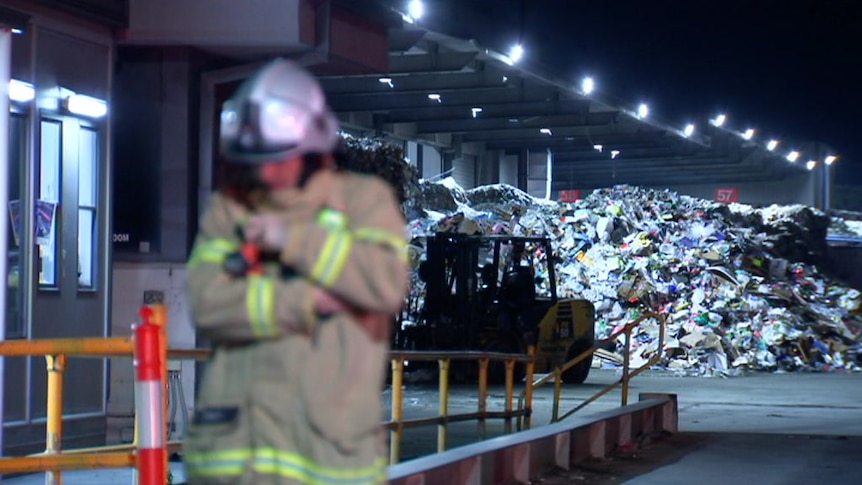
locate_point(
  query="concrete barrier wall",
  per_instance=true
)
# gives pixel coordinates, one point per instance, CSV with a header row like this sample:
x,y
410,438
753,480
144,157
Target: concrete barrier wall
x,y
518,457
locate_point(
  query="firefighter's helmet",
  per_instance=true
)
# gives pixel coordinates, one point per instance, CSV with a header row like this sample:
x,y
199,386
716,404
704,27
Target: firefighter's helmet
x,y
278,113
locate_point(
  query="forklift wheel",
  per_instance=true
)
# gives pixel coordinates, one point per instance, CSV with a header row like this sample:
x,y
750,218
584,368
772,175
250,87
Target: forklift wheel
x,y
497,368
578,374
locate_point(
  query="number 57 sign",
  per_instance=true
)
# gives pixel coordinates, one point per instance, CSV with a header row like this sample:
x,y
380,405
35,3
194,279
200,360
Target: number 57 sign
x,y
727,195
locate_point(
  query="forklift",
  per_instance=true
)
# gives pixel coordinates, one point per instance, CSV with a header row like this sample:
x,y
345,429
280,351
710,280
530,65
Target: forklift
x,y
498,293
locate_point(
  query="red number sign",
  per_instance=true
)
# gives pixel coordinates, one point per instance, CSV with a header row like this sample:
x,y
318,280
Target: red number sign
x,y
727,195
569,195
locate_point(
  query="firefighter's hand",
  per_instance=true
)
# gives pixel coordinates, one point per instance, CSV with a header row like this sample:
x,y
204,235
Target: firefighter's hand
x,y
268,231
376,325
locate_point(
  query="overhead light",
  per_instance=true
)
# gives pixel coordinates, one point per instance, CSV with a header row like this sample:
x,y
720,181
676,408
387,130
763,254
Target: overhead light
x,y
20,91
597,148
386,80
17,31
748,133
772,145
719,120
434,97
811,164
516,53
415,9
792,156
689,130
614,153
86,106
475,111
643,111
830,159
587,85
546,131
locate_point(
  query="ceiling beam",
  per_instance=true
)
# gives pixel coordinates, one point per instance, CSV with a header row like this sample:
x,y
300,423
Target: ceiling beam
x,y
467,124
383,101
428,82
449,111
412,63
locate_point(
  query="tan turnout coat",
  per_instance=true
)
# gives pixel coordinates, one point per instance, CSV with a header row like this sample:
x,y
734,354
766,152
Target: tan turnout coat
x,y
291,396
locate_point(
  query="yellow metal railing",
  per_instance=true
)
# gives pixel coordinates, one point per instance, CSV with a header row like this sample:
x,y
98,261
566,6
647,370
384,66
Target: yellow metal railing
x,y
56,351
397,424
54,459
557,375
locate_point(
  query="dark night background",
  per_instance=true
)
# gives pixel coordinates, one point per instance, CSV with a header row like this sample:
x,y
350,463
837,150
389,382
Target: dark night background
x,y
787,68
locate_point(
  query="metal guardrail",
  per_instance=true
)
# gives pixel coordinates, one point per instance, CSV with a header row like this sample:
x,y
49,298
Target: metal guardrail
x,y
627,374
397,424
56,351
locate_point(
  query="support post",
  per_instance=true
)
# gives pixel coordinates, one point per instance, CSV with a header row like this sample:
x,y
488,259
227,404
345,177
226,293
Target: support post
x,y
397,411
443,427
5,68
54,426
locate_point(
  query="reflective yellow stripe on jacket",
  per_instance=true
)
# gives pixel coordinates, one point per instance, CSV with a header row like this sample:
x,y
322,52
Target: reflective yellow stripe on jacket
x,y
212,251
260,305
271,461
336,248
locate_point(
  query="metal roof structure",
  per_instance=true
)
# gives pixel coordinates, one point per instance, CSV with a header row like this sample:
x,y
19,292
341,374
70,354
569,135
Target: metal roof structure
x,y
437,84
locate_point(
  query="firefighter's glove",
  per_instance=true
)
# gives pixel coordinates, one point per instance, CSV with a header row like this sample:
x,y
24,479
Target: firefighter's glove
x,y
268,231
244,262
376,325
237,265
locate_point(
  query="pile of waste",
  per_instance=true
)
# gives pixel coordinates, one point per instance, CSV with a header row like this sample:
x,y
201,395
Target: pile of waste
x,y
739,285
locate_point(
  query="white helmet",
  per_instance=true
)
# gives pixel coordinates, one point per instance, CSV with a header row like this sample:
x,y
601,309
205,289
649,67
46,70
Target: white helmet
x,y
276,114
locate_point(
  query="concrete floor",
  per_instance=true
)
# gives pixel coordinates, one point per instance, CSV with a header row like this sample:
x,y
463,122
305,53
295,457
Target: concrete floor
x,y
741,416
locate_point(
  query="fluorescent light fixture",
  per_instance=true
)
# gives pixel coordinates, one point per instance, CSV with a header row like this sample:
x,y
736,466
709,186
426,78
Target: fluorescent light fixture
x,y
792,156
86,106
719,120
643,111
748,133
689,130
434,97
588,85
546,131
614,154
830,159
386,80
20,91
597,148
516,54
415,9
772,145
475,111
811,164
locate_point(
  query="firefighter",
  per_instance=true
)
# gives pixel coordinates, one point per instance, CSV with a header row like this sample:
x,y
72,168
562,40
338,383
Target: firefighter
x,y
295,274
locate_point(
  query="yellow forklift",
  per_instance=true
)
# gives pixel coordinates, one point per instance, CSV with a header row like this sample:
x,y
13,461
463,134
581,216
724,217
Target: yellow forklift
x,y
498,293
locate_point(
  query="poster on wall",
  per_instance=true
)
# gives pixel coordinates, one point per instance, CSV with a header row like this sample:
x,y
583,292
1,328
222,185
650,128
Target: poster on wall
x,y
44,220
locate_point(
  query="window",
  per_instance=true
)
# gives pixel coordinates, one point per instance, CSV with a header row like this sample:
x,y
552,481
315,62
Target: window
x,y
49,198
88,161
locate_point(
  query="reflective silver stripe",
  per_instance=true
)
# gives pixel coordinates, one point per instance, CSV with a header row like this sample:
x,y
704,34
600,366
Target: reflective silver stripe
x,y
149,414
